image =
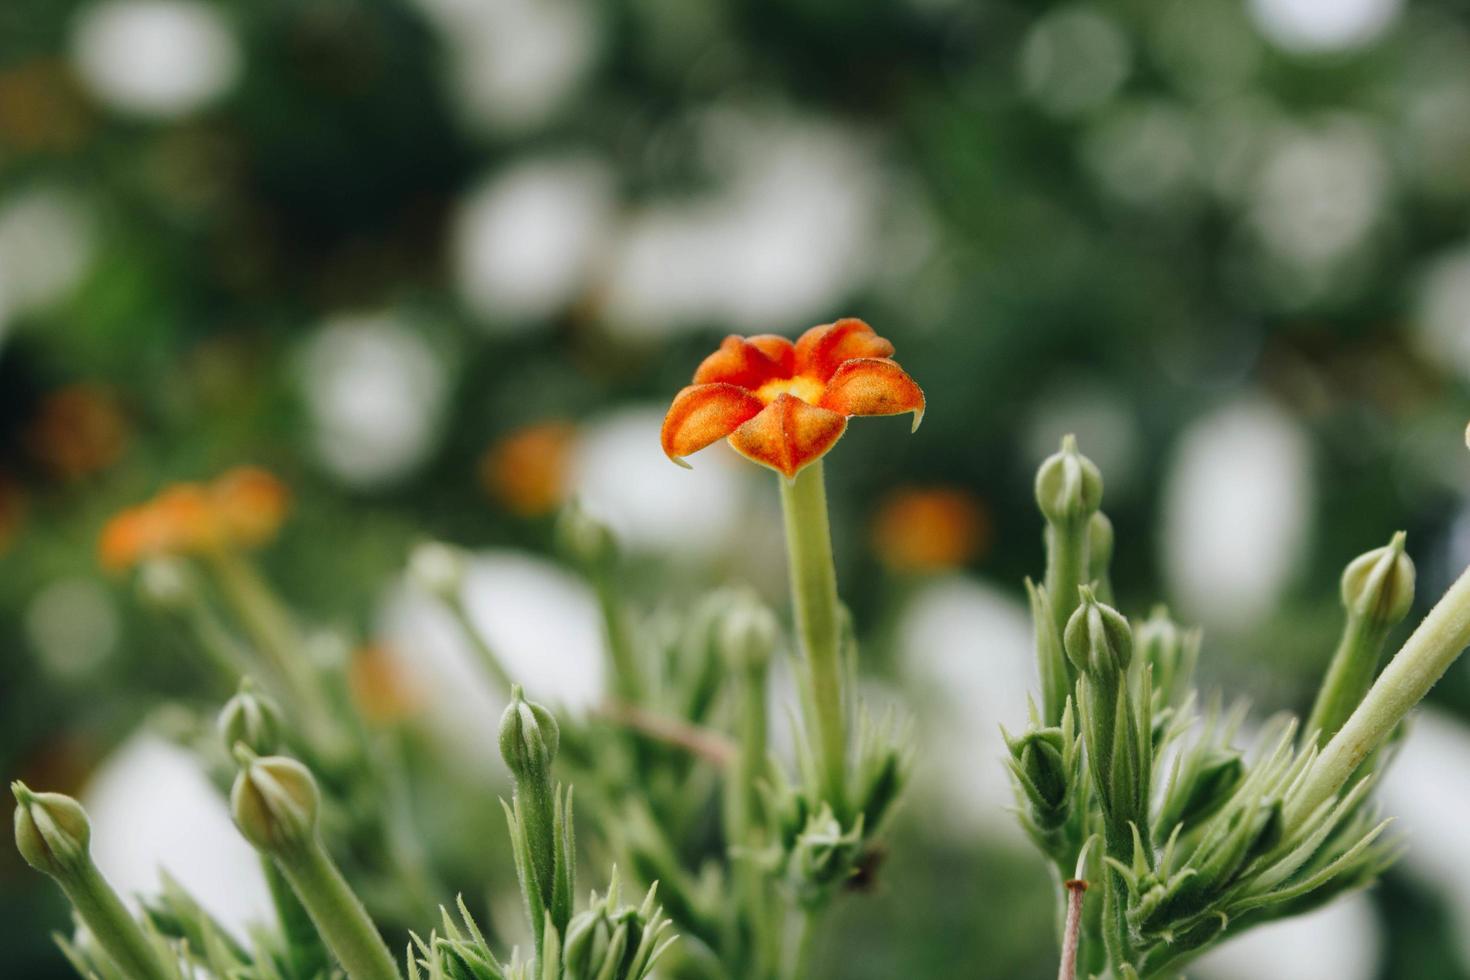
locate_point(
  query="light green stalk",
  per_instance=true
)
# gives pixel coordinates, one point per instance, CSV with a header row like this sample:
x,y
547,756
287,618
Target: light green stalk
x,y
107,919
1423,659
339,916
814,596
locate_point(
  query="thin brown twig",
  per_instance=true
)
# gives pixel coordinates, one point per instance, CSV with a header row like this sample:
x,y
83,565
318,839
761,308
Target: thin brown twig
x,y
1076,887
706,743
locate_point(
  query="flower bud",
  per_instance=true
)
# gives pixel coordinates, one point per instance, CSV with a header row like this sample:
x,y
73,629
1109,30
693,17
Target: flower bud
x,y
825,856
164,582
51,831
747,633
584,539
1379,586
613,941
275,802
1097,637
1170,650
438,568
251,719
528,738
1068,486
1100,540
1039,764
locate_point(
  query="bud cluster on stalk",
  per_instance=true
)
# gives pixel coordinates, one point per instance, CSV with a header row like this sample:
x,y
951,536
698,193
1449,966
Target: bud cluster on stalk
x,y
1201,838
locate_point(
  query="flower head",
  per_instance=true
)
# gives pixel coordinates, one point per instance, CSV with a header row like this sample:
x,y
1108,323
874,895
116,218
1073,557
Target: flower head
x,y
243,507
784,405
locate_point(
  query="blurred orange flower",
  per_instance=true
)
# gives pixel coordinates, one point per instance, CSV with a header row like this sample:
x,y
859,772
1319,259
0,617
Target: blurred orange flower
x,y
381,689
784,405
79,430
251,504
928,529
526,470
242,508
12,510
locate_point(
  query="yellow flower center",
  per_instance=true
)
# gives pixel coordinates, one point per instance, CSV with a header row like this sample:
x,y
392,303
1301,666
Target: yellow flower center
x,y
806,388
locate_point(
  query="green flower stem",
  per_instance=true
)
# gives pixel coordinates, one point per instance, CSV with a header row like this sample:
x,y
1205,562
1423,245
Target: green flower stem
x,y
538,815
814,595
108,920
744,830
1349,677
628,681
339,917
270,628
489,659
1423,659
806,941
1066,558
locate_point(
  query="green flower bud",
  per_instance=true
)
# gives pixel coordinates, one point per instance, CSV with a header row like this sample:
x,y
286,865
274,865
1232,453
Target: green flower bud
x,y
584,539
1170,650
275,802
1039,764
747,633
438,568
51,831
165,583
1097,638
611,941
528,738
1069,486
825,856
251,719
1379,586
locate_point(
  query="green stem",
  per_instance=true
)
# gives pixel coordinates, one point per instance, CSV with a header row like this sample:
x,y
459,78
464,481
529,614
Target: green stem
x,y
109,922
1423,659
488,657
801,964
761,946
269,627
339,917
814,595
1066,557
628,681
1348,678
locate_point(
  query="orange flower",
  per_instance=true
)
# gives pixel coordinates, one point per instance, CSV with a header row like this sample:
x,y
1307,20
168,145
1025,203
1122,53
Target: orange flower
x,y
242,508
381,689
251,504
921,529
79,430
784,405
12,511
526,470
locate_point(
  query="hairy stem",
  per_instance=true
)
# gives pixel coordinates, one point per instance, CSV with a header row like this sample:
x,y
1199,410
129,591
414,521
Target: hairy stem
x,y
1072,931
814,595
110,923
339,916
1423,659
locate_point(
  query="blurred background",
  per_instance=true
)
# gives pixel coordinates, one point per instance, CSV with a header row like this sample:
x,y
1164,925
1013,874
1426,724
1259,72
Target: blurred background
x,y
441,265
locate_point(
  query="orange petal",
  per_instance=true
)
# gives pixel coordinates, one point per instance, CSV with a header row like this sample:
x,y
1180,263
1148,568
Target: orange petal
x,y
703,414
788,434
746,363
822,349
250,503
873,386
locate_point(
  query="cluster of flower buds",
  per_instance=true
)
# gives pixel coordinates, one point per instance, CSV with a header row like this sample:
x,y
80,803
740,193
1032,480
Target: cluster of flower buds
x,y
1200,839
